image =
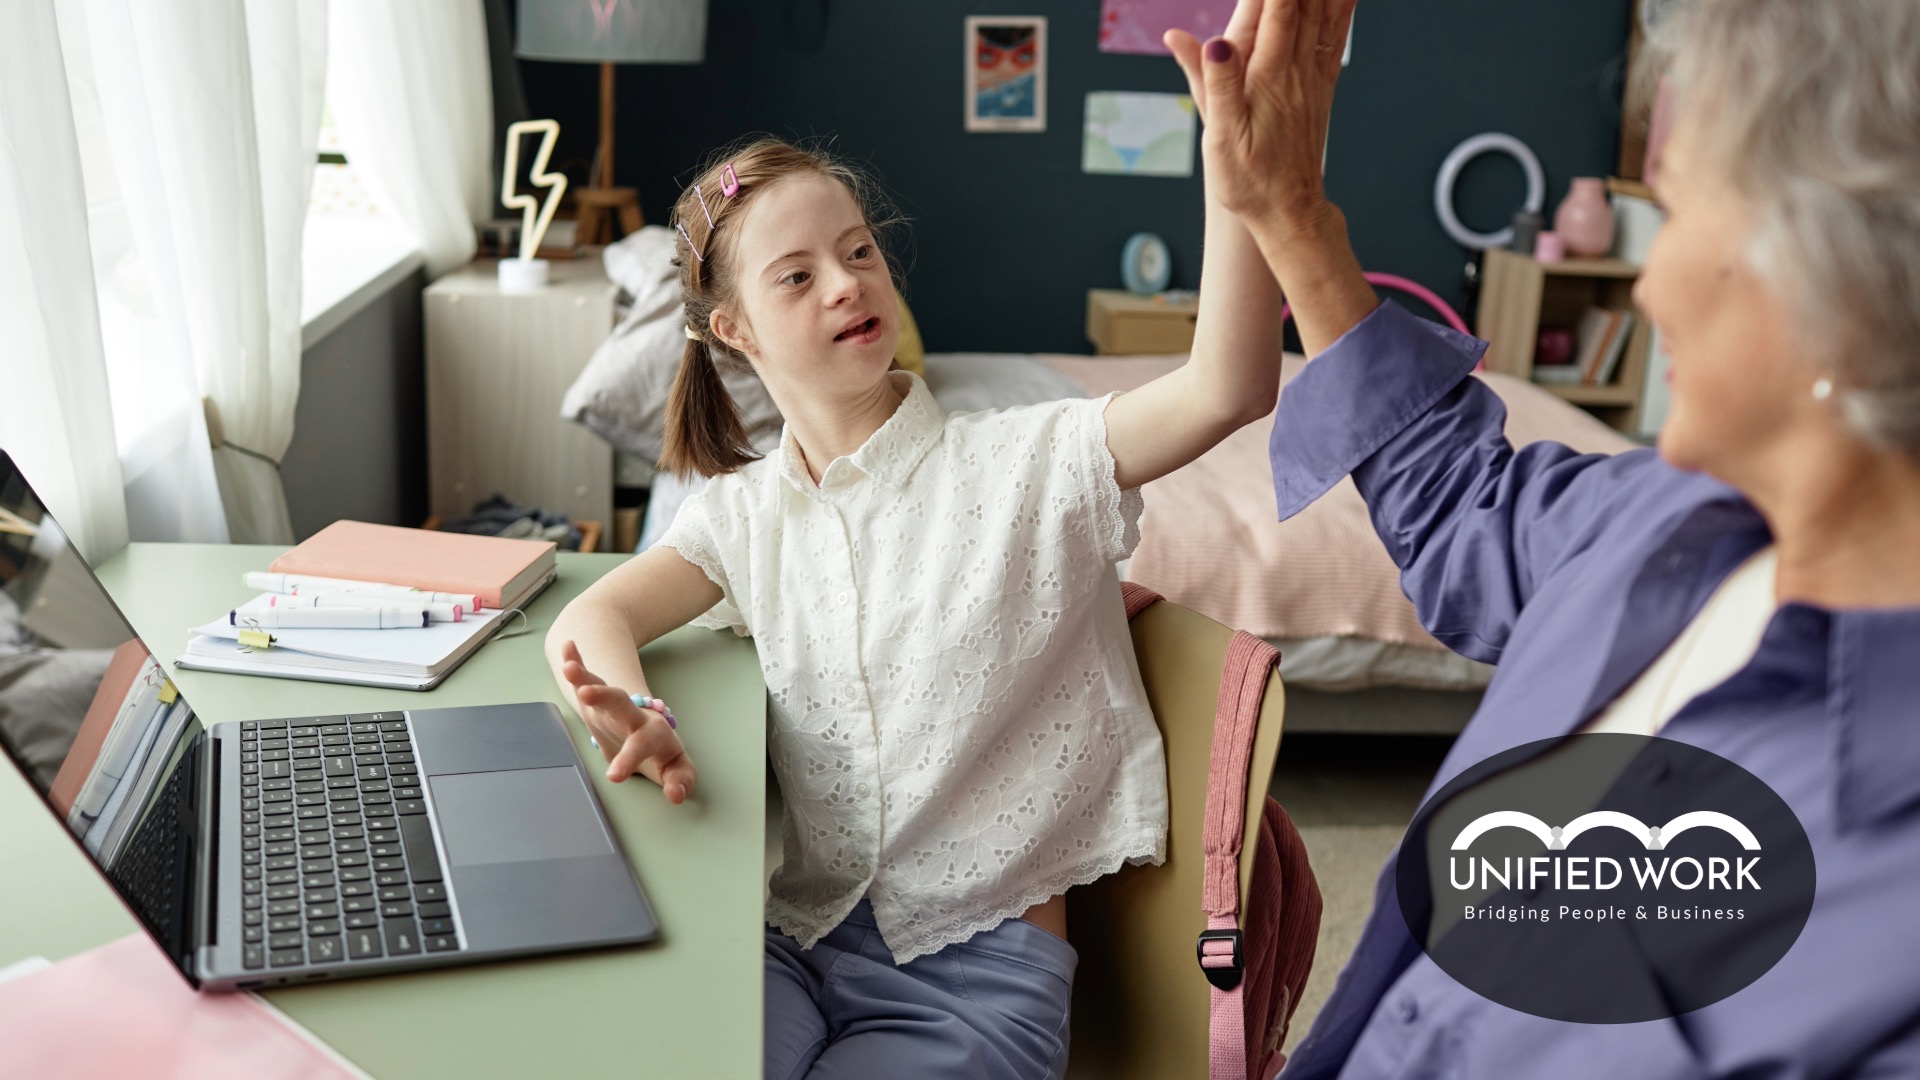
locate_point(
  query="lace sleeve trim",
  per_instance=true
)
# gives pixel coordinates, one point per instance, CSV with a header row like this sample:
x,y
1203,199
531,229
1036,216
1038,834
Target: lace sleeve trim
x,y
1118,510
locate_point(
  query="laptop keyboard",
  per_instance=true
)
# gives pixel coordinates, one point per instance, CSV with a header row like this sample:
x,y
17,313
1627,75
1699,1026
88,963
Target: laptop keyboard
x,y
338,862
151,872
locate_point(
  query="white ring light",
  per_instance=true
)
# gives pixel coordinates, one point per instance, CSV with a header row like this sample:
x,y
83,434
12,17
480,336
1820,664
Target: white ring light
x,y
1450,175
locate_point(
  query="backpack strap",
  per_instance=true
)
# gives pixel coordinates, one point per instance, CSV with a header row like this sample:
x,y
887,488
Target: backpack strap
x,y
1243,687
1136,597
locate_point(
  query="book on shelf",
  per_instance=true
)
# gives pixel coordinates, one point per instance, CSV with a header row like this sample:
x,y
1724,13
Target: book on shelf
x,y
1599,340
1567,374
505,574
1616,347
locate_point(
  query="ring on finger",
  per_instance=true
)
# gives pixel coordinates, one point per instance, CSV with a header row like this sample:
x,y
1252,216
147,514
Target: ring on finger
x,y
1323,48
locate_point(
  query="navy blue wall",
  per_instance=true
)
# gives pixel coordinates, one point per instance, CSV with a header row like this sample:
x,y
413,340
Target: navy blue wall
x,y
1008,233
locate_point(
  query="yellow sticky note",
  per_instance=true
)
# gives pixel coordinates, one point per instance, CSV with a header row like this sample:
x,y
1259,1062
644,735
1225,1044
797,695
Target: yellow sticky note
x,y
168,695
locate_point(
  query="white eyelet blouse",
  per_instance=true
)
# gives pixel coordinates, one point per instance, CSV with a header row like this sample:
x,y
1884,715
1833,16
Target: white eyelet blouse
x,y
957,723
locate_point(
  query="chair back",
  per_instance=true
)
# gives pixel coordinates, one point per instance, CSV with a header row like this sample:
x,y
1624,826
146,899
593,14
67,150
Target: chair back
x,y
1140,1001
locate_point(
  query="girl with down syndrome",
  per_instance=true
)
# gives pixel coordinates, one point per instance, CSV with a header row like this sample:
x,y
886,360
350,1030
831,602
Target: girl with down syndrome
x,y
957,723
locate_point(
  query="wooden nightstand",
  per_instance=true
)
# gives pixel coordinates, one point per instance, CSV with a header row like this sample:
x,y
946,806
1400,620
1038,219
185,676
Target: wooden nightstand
x,y
1122,324
497,367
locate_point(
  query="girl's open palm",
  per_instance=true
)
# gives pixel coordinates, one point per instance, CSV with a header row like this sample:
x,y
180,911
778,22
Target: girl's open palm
x,y
633,739
1265,91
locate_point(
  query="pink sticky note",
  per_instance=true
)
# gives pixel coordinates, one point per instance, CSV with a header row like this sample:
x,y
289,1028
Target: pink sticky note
x,y
123,1010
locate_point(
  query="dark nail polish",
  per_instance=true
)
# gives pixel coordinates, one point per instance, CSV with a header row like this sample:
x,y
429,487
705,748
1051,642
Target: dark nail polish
x,y
1219,50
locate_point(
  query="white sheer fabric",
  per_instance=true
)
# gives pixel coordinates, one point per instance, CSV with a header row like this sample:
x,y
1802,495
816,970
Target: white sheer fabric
x,y
197,125
54,414
412,95
255,391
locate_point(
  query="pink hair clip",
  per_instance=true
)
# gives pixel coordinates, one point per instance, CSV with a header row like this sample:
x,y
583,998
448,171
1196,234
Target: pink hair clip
x,y
729,187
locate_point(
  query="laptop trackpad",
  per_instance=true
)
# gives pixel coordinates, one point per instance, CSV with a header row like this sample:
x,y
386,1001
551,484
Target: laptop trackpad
x,y
522,815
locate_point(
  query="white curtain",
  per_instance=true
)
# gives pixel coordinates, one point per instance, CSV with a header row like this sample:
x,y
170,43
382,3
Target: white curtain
x,y
412,96
287,45
55,417
209,116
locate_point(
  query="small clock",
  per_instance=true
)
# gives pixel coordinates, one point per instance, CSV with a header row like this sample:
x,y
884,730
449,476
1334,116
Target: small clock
x,y
1145,264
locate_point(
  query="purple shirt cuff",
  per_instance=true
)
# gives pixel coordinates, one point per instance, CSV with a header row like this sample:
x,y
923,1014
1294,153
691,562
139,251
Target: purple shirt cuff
x,y
1356,396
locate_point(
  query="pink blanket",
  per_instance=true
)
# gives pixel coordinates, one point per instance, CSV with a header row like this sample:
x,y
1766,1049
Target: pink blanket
x,y
1209,540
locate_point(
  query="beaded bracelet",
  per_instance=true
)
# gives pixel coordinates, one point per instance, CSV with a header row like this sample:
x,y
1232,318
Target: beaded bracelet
x,y
654,703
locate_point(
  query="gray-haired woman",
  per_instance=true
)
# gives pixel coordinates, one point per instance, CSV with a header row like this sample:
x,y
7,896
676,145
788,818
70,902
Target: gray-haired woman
x,y
1751,588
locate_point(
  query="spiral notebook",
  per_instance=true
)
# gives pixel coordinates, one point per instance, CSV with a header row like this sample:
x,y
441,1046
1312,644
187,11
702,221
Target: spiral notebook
x,y
411,659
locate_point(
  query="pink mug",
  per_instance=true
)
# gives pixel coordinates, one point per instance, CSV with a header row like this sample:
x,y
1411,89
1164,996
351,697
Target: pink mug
x,y
1549,248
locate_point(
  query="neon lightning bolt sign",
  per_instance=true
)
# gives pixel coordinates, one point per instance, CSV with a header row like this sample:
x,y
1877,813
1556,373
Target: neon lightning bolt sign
x,y
531,233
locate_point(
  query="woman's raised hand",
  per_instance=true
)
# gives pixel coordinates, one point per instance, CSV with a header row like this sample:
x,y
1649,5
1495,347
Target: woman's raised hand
x,y
1265,90
633,739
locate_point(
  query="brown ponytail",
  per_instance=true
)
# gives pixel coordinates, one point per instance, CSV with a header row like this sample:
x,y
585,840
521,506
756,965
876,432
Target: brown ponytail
x,y
704,431
705,434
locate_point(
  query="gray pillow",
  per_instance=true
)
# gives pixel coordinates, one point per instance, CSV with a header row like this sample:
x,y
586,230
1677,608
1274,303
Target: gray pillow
x,y
44,695
621,395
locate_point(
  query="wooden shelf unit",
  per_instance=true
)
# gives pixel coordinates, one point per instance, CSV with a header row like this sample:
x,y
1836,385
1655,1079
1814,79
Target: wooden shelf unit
x,y
1520,294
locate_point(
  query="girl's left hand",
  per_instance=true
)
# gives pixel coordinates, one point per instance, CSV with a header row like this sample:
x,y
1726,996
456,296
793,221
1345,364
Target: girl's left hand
x,y
633,739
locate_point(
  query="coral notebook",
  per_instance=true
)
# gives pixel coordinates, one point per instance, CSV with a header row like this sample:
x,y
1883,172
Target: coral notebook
x,y
128,661
490,567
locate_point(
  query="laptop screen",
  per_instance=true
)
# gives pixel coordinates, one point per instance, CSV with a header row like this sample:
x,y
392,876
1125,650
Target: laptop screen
x,y
92,721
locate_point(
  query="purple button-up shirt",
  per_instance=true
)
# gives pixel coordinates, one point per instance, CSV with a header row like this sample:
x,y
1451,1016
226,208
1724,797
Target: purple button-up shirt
x,y
1573,572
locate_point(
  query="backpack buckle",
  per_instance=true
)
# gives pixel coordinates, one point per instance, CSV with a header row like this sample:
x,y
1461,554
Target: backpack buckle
x,y
1222,976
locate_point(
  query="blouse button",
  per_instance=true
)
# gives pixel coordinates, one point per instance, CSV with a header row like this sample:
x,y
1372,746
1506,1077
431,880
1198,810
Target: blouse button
x,y
862,790
840,598
1406,1010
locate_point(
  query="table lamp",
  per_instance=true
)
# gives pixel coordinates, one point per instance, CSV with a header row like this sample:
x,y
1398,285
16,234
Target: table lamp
x,y
610,32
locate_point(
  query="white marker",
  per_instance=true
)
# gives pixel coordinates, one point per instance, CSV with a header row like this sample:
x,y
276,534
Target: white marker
x,y
342,618
295,584
436,612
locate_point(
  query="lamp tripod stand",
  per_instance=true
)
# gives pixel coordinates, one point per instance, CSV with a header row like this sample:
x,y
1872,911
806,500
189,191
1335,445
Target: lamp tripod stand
x,y
598,202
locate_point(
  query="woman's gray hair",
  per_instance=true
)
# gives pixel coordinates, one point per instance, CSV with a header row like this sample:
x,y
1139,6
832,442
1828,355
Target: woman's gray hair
x,y
1811,109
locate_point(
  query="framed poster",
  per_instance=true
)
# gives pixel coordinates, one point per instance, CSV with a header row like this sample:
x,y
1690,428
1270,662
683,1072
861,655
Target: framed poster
x,y
1006,73
1134,134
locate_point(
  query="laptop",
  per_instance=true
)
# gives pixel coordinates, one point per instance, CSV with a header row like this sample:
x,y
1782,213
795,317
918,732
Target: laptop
x,y
272,852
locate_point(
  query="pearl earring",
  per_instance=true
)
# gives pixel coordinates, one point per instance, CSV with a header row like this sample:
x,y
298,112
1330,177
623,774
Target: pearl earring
x,y
1822,389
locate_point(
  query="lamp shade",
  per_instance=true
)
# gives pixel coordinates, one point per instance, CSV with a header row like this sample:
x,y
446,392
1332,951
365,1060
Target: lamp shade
x,y
613,31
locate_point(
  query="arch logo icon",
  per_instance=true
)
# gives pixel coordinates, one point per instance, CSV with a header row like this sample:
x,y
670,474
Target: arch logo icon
x,y
1652,837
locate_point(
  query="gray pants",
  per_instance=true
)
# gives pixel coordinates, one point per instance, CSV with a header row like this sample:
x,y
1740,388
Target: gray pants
x,y
991,1007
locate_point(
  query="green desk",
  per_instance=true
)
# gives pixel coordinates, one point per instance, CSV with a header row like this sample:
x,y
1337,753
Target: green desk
x,y
687,1005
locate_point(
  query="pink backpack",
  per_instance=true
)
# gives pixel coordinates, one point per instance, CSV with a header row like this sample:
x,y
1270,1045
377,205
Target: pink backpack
x,y
1257,950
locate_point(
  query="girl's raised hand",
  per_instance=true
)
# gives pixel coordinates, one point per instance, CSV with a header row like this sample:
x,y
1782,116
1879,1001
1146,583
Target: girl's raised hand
x,y
1265,90
633,739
